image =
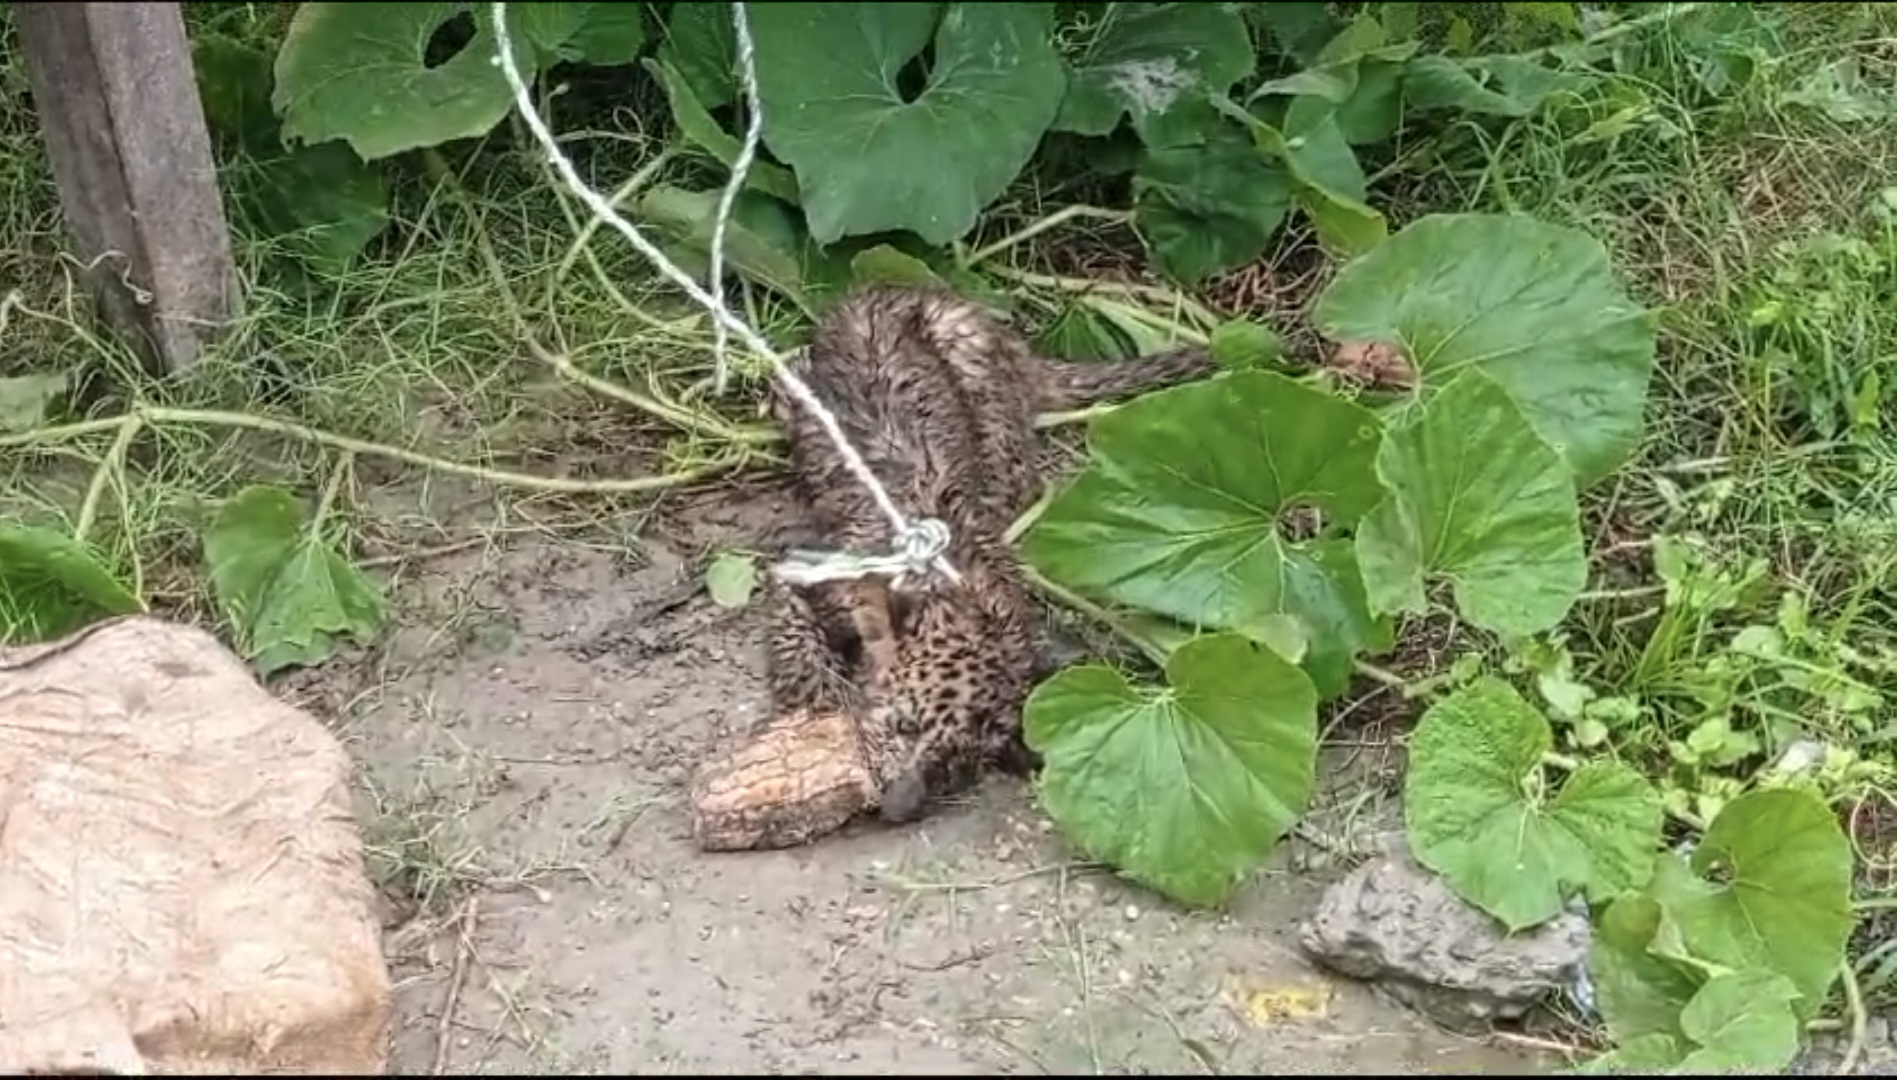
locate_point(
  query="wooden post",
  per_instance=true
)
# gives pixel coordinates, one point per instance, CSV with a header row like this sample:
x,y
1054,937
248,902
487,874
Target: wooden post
x,y
119,110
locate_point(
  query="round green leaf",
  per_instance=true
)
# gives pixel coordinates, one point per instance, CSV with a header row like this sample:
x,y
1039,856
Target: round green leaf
x,y
289,596
1476,497
1185,788
1781,898
1476,814
869,161
731,579
1142,57
1179,510
51,585
355,71
1533,305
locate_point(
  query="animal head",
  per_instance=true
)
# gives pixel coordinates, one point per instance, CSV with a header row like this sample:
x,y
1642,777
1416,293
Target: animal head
x,y
941,649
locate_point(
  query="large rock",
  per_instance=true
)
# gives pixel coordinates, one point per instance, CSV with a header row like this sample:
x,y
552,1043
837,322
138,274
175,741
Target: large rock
x,y
1393,923
181,880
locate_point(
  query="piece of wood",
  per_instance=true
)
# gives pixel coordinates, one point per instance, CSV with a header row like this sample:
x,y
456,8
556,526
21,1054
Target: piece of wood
x,y
799,778
119,111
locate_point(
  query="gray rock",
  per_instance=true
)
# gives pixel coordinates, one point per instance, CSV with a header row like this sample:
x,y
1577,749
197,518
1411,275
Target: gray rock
x,y
1395,924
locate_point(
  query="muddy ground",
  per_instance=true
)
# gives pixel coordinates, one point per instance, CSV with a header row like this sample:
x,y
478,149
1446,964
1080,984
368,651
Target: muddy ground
x,y
524,742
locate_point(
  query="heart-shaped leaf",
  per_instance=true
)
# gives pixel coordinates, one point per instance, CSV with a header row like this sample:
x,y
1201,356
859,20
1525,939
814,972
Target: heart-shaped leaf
x,y
1184,788
866,159
1478,498
1476,812
1769,887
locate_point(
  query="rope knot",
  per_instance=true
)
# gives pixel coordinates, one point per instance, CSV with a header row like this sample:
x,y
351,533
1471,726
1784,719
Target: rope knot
x,y
922,543
917,550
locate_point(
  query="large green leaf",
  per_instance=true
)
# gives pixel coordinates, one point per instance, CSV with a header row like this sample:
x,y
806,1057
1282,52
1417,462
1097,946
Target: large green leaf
x,y
1477,812
1179,511
1142,57
1204,199
1183,788
1476,497
359,71
869,161
51,585
1534,306
321,202
1768,887
290,597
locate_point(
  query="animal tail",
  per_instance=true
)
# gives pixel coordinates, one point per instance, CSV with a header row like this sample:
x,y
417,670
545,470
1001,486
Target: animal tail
x,y
1070,384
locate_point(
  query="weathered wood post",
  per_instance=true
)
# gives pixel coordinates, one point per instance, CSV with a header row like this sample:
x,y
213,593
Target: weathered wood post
x,y
119,111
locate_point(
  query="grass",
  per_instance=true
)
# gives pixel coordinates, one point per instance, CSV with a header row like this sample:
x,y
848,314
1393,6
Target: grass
x,y
1760,217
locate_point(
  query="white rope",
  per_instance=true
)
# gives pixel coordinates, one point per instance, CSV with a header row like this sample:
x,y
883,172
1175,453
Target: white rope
x,y
914,550
740,169
920,546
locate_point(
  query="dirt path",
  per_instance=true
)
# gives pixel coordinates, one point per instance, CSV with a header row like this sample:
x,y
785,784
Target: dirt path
x,y
526,739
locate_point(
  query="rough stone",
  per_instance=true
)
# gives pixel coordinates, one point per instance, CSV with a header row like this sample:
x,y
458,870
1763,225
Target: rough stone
x,y
1395,924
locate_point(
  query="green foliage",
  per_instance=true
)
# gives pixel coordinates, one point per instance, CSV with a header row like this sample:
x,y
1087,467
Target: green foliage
x,y
1195,504
1179,513
51,584
1259,533
866,159
912,118
1478,498
360,72
1185,786
1137,60
1765,898
1480,813
290,597
1534,306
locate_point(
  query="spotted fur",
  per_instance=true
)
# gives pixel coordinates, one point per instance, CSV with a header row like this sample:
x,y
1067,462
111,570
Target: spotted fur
x,y
939,397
